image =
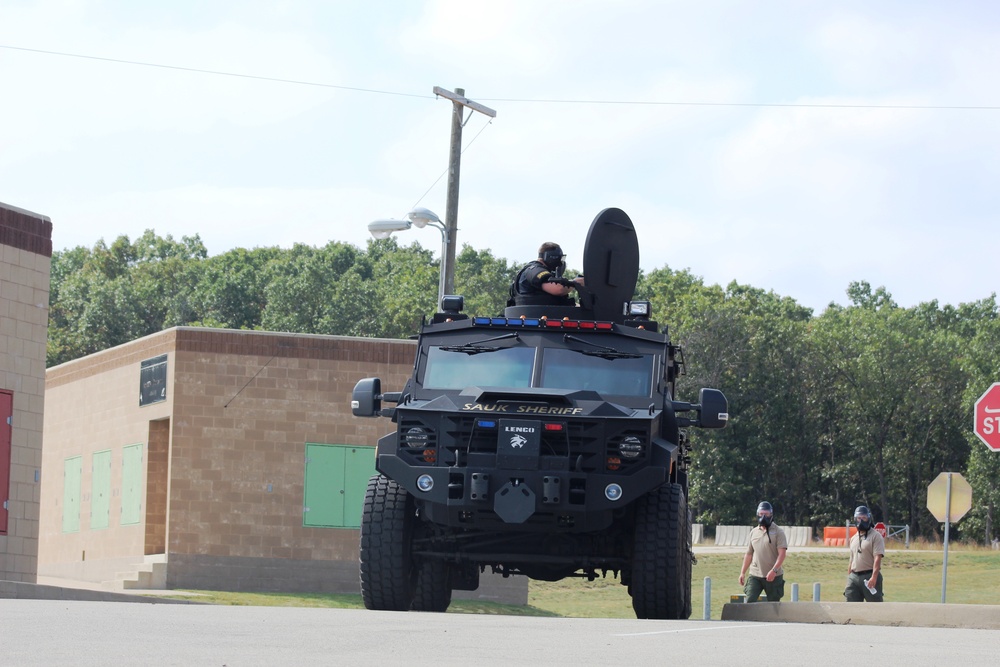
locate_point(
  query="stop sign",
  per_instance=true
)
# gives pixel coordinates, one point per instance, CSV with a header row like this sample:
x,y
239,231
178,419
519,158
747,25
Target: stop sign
x,y
939,502
880,529
987,413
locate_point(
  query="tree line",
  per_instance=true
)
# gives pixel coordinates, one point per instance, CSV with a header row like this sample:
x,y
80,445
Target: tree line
x,y
861,404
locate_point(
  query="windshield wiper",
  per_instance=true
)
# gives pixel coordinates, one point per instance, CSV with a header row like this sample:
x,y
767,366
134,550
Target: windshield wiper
x,y
602,351
477,347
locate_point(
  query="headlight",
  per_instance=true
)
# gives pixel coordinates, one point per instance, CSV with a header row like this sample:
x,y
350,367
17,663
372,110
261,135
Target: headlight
x,y
639,308
416,437
630,447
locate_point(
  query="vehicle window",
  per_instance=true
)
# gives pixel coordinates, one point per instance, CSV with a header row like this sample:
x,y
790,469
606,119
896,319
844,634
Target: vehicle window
x,y
568,369
504,367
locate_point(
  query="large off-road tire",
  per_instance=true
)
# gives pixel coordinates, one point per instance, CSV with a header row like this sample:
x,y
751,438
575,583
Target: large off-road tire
x,y
661,560
388,577
433,590
687,560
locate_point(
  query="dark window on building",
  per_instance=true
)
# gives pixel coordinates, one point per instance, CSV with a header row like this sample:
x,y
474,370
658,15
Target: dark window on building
x,y
153,380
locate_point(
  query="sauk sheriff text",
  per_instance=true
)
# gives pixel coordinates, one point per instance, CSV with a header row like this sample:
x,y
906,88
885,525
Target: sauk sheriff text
x,y
522,409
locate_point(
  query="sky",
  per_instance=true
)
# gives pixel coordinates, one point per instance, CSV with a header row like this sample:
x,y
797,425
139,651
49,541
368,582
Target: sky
x,y
787,145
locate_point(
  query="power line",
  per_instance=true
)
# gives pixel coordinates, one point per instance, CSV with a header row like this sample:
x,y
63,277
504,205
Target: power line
x,y
918,107
249,76
742,104
216,72
417,203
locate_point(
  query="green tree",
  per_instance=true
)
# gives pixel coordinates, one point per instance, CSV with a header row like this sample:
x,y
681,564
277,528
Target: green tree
x,y
301,293
893,385
483,280
110,295
750,345
232,290
981,524
405,287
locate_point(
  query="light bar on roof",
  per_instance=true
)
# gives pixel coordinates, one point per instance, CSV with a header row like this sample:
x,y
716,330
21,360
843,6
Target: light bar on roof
x,y
542,322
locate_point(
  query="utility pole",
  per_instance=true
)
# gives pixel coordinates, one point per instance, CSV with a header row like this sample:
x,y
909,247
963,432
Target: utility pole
x,y
458,101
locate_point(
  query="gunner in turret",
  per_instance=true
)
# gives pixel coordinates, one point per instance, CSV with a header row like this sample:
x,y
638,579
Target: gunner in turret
x,y
540,282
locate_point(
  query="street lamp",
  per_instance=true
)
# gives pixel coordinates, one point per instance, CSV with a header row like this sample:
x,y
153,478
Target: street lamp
x,y
419,217
383,229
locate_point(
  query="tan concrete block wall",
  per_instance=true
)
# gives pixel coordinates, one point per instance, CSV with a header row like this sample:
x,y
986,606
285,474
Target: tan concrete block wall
x,y
238,442
225,454
25,266
92,405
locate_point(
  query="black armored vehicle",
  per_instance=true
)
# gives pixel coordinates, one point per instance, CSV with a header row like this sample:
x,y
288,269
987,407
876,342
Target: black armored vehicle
x,y
547,442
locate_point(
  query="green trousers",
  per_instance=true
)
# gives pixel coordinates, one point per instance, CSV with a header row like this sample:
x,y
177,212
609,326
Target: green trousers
x,y
754,585
856,590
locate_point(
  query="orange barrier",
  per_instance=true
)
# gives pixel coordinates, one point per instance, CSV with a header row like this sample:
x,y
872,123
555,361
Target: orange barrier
x,y
834,536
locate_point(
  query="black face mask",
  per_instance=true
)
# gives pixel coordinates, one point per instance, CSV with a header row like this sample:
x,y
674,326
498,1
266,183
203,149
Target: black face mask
x,y
554,261
863,526
764,521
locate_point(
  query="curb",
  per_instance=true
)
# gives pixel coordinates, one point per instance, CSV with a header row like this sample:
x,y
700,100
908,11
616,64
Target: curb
x,y
899,614
24,591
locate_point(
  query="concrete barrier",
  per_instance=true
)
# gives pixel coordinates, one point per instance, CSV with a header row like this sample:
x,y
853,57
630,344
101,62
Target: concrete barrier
x,y
798,536
732,536
739,536
906,614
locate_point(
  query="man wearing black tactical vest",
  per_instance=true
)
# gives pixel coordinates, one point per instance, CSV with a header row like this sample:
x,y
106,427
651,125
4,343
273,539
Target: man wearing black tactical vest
x,y
540,282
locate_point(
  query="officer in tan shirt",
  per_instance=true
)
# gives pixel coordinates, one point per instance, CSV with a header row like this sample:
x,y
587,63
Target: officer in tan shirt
x,y
864,572
763,559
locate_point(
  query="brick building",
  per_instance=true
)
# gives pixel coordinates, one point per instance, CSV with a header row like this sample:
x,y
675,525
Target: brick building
x,y
25,262
216,459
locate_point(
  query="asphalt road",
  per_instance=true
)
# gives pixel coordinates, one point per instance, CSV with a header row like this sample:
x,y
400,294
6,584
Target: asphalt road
x,y
47,632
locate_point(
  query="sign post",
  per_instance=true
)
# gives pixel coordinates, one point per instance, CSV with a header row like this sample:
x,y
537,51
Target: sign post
x,y
987,417
949,497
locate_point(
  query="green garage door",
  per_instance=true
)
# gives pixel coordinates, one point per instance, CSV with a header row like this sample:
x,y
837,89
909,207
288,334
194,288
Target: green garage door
x,y
72,487
131,484
336,477
100,490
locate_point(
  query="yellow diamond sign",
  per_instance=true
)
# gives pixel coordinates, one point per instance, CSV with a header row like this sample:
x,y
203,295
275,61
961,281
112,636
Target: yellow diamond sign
x,y
937,497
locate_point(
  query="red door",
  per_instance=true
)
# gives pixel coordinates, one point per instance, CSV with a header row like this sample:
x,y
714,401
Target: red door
x,y
6,417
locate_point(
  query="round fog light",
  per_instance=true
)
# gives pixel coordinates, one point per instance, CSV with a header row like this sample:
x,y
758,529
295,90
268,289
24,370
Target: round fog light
x,y
425,483
416,437
613,492
630,447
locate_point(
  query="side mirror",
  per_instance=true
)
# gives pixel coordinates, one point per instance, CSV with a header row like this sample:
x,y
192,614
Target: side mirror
x,y
366,399
714,409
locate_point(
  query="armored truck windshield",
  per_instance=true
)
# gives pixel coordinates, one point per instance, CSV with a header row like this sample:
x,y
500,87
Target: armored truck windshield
x,y
596,368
